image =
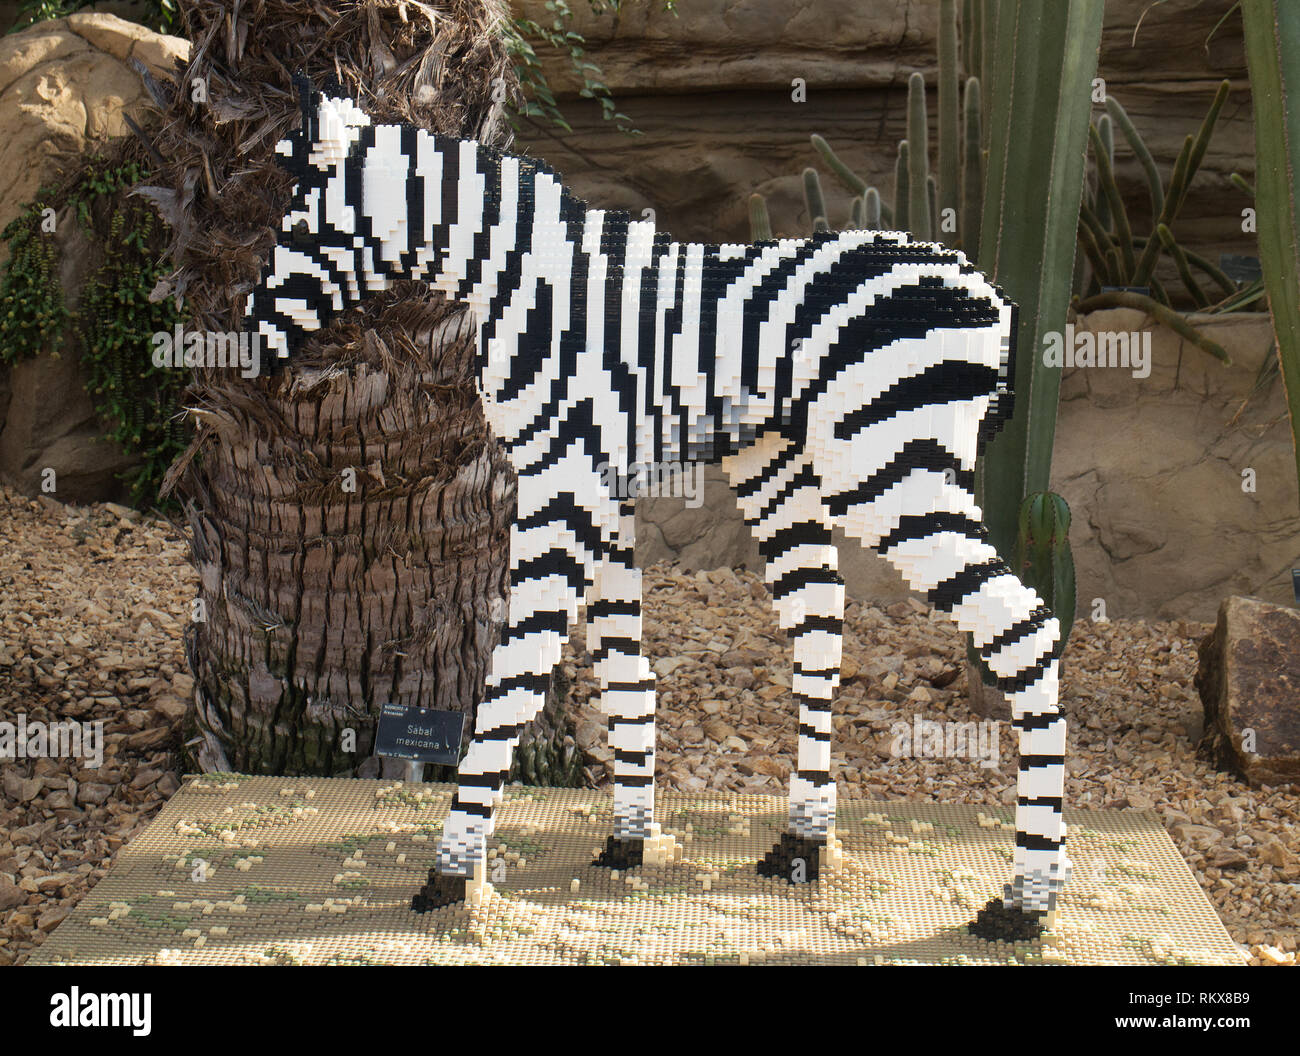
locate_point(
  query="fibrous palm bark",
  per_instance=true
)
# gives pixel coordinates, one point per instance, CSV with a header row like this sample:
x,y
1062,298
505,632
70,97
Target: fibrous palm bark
x,y
349,515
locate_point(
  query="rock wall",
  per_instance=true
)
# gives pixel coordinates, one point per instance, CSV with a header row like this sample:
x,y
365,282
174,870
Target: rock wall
x,y
64,86
711,92
1152,468
1183,489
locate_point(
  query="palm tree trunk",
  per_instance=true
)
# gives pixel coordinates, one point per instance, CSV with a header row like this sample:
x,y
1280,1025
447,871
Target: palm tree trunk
x,y
350,516
322,603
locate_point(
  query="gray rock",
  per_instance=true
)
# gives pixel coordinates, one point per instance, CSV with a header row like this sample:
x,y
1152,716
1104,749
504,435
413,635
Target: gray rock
x,y
1249,681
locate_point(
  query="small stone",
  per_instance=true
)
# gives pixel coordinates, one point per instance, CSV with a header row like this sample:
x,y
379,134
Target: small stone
x,y
48,920
665,666
94,793
11,895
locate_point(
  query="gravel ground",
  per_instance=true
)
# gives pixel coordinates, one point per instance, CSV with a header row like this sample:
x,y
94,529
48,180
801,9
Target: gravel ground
x,y
93,603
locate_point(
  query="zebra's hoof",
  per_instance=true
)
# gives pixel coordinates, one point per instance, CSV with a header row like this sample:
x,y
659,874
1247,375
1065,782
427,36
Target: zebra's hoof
x,y
620,854
438,892
996,923
796,859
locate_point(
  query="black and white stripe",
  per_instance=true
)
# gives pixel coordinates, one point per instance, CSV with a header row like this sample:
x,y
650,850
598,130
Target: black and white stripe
x,y
848,378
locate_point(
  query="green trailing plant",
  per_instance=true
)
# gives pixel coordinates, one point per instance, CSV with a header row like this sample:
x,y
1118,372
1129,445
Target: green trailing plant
x,y
158,15
33,316
1272,35
142,403
538,101
138,402
1043,558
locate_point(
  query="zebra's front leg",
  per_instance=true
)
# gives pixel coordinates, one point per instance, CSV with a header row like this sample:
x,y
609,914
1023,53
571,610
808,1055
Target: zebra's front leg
x,y
549,567
779,494
627,697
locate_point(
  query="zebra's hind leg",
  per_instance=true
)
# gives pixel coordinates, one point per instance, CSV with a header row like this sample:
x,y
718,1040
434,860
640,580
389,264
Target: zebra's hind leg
x,y
627,695
930,529
552,549
780,495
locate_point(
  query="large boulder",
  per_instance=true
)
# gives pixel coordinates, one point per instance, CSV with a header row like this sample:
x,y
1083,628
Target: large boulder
x,y
1249,680
65,86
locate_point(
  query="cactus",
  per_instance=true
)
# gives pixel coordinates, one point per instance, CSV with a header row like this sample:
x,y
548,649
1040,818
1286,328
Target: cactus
x,y
872,210
922,198
1117,257
1272,34
972,177
902,192
1043,559
760,225
1104,232
987,21
949,183
847,176
812,196
1194,152
920,222
1106,134
1042,66
966,36
1120,117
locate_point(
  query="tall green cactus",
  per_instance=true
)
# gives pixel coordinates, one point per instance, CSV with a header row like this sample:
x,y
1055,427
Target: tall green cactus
x,y
760,225
872,210
1272,33
920,222
972,176
1042,69
812,196
949,184
902,188
1041,63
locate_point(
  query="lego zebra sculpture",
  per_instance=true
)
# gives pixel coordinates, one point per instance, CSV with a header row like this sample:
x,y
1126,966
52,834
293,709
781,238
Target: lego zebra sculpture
x,y
848,378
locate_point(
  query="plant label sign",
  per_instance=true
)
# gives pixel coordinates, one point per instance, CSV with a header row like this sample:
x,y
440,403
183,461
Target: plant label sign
x,y
425,735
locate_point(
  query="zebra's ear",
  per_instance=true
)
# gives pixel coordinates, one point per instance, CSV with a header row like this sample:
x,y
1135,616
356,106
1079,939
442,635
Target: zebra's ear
x,y
292,151
308,101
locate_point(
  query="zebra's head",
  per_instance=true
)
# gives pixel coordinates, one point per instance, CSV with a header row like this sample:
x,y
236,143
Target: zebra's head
x,y
317,230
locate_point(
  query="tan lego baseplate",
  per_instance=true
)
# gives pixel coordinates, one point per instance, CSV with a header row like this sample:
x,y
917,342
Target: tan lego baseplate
x,y
257,870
